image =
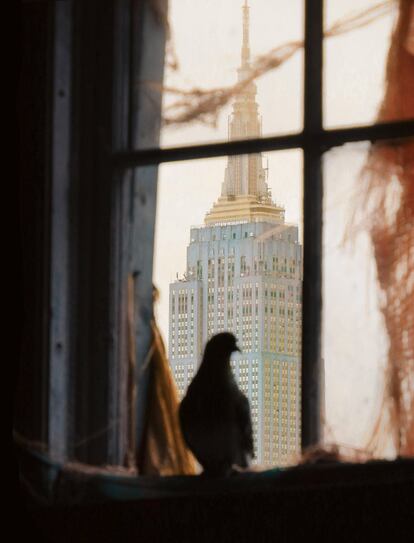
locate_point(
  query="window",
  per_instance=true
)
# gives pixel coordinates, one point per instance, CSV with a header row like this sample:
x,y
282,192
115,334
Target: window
x,y
94,236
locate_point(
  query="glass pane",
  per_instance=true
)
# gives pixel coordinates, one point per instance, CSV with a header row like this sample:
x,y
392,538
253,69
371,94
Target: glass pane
x,y
214,46
239,270
368,295
355,62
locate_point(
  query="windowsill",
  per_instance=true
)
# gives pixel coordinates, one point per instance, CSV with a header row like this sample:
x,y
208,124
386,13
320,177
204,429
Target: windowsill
x,y
330,502
52,484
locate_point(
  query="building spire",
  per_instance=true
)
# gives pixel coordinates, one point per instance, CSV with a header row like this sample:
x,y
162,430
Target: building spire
x,y
244,193
245,47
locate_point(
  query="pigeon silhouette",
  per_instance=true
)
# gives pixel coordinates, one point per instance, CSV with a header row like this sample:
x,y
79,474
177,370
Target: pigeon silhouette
x,y
214,414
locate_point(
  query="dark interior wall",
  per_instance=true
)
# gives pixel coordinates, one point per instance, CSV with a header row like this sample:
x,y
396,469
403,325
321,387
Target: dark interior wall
x,y
33,236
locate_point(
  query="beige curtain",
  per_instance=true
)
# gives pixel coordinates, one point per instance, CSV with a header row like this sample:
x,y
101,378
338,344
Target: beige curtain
x,y
163,451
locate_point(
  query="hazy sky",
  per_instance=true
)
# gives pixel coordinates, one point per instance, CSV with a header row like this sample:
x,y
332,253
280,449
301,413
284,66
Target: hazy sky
x,y
207,40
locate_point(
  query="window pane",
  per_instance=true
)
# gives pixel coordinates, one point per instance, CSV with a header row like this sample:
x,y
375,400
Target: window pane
x,y
239,270
215,44
355,62
368,294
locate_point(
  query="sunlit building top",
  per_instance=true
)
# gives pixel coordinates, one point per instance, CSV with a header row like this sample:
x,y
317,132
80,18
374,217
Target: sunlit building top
x,y
245,194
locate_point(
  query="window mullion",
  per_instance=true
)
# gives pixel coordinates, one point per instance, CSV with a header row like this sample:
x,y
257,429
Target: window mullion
x,y
312,218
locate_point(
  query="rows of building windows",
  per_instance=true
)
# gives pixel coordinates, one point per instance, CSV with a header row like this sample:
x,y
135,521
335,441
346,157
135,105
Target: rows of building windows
x,y
183,374
281,329
216,233
281,412
182,327
230,270
286,269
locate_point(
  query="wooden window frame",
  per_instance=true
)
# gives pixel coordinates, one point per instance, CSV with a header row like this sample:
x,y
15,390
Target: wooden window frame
x,y
103,204
314,140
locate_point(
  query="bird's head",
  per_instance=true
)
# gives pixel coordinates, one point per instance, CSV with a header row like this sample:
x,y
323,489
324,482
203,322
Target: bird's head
x,y
221,346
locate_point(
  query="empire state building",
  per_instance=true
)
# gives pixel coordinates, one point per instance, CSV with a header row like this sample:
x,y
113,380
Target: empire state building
x,y
244,275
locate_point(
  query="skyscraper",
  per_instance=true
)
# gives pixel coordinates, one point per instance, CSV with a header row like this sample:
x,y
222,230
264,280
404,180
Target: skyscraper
x,y
244,274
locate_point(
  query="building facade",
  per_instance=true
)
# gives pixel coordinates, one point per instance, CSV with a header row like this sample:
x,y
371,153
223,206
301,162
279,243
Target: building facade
x,y
244,275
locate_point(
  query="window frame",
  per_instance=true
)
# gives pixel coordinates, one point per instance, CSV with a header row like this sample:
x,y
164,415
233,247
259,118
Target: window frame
x,y
314,140
95,135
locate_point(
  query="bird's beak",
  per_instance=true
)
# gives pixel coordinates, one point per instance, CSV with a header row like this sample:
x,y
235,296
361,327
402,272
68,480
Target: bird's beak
x,y
237,348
